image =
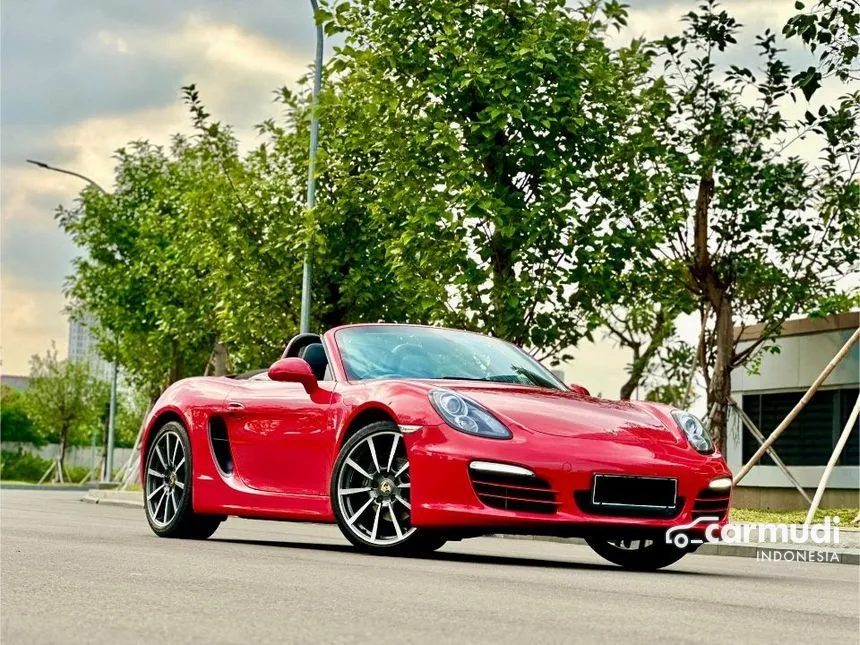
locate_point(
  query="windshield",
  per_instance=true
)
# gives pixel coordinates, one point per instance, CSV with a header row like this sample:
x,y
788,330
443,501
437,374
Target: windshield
x,y
402,351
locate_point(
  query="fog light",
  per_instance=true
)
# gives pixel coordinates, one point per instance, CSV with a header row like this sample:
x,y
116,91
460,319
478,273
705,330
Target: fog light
x,y
721,483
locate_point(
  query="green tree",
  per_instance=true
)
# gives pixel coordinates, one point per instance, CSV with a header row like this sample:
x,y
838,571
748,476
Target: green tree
x,y
64,398
141,276
131,410
16,423
483,137
759,233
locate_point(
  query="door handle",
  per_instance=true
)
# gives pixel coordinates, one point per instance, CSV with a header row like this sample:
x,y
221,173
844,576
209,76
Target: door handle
x,y
235,407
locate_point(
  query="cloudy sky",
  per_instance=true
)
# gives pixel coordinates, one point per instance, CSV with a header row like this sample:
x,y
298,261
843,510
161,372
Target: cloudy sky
x,y
80,79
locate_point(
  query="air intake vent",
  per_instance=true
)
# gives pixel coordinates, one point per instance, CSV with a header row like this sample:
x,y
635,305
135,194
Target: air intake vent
x,y
221,445
712,503
512,492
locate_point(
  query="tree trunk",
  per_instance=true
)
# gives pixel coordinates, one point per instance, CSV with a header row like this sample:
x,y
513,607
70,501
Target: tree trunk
x,y
177,365
219,358
720,387
636,371
64,440
501,256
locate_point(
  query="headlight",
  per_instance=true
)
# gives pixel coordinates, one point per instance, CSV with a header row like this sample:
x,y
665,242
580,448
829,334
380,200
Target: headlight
x,y
696,433
467,416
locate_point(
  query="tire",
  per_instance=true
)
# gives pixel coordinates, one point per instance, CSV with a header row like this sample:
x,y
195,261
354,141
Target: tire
x,y
375,514
649,556
167,485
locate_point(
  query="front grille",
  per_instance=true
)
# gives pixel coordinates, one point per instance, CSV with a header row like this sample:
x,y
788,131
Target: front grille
x,y
712,503
523,493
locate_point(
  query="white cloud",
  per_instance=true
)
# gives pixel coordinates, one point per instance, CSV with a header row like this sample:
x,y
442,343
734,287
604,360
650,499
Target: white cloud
x,y
29,320
236,72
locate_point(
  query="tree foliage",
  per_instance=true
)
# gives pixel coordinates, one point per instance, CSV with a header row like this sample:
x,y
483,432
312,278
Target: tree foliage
x,y
485,136
64,398
16,423
759,233
494,165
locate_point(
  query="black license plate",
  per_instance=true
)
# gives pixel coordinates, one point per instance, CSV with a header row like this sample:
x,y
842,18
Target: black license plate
x,y
643,492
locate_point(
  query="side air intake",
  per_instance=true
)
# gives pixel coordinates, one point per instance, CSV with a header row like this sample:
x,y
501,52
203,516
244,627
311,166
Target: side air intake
x,y
221,445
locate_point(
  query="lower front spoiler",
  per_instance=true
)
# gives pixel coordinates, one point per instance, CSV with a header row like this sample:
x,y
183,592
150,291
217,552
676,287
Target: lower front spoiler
x,y
602,531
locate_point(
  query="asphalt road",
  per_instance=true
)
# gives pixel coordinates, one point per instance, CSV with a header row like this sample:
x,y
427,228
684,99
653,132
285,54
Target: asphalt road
x,y
79,573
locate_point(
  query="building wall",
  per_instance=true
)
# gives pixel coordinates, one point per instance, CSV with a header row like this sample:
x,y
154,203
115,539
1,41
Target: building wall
x,y
800,361
16,382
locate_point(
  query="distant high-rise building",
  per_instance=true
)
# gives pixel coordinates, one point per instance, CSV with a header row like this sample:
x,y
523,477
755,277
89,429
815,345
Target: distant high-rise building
x,y
84,346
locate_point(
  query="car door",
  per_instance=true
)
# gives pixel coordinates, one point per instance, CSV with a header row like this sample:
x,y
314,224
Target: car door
x,y
280,436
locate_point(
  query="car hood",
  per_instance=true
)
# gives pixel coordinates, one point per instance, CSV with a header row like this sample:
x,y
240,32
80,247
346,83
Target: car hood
x,y
568,414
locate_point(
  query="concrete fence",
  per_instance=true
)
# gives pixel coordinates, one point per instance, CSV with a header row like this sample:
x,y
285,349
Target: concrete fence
x,y
75,455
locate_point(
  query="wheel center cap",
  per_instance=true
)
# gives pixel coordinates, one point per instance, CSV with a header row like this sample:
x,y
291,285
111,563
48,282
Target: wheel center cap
x,y
386,487
171,479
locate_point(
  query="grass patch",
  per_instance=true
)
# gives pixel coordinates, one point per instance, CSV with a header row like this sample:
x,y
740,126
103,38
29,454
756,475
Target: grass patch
x,y
759,516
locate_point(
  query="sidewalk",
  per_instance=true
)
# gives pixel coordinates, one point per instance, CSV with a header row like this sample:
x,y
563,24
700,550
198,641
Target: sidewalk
x,y
846,552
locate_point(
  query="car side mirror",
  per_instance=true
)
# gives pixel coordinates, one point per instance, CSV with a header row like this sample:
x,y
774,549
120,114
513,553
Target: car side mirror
x,y
573,387
294,370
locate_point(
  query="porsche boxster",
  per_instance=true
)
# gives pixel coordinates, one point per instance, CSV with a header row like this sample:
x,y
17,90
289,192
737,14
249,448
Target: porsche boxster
x,y
409,436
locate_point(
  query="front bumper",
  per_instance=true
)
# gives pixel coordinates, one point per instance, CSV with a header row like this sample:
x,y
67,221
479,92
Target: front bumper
x,y
443,495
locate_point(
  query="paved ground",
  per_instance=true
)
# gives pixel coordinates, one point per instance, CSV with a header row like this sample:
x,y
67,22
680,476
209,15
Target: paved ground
x,y
79,573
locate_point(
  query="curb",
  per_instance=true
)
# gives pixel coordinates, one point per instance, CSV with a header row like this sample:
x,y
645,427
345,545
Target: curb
x,y
114,498
132,499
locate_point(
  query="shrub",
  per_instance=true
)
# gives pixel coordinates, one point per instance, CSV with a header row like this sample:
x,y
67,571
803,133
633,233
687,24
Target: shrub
x,y
22,466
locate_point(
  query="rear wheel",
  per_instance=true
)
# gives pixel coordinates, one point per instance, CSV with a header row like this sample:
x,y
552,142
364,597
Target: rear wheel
x,y
637,555
167,487
371,494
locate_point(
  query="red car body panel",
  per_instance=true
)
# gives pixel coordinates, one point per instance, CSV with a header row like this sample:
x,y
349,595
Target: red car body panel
x,y
285,443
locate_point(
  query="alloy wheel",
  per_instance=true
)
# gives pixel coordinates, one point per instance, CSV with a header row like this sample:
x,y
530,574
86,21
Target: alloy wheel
x,y
166,478
373,489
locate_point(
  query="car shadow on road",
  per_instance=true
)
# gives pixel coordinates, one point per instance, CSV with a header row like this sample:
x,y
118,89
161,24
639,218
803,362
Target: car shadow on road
x,y
472,558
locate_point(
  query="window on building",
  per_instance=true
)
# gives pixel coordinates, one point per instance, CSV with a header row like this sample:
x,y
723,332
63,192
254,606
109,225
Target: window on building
x,y
811,437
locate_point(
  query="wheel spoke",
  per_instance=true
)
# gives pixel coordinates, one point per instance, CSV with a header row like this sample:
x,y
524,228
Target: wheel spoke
x,y
154,473
403,501
393,450
402,470
160,458
152,494
181,461
353,491
404,485
373,454
158,506
375,523
173,499
395,522
175,450
180,485
167,447
358,468
355,515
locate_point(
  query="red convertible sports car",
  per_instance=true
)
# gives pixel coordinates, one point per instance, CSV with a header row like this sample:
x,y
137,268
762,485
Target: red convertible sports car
x,y
409,436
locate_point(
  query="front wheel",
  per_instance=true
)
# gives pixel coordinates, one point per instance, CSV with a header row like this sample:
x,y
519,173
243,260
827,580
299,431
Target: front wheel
x,y
371,494
167,487
637,555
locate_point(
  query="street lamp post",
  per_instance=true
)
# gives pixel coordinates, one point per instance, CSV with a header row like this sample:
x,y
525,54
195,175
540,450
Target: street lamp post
x,y
305,317
108,474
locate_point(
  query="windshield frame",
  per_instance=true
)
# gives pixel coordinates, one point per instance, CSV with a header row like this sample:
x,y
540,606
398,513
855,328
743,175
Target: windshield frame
x,y
553,382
